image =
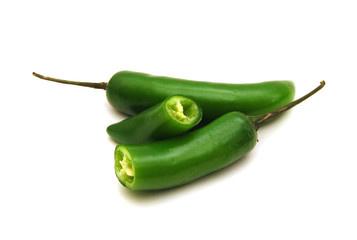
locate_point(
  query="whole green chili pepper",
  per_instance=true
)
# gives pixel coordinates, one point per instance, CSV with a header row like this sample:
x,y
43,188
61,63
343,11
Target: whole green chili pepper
x,y
132,92
172,117
177,161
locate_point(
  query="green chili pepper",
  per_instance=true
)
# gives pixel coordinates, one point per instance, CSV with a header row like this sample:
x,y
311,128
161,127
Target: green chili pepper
x,y
172,117
180,160
133,92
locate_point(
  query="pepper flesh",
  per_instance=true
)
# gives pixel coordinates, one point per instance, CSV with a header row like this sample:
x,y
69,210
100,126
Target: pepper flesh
x,y
172,117
132,92
124,168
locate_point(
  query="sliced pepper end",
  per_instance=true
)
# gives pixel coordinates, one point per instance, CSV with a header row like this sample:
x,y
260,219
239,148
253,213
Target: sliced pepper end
x,y
183,110
124,168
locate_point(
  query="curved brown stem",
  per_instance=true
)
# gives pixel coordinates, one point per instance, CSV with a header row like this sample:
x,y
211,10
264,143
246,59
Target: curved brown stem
x,y
262,119
100,85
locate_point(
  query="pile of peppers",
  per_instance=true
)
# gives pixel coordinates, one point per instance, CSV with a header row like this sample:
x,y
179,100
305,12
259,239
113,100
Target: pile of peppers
x,y
180,130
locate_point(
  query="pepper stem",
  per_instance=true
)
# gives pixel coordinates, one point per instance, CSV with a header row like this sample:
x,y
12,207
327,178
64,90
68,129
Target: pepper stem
x,y
99,85
263,118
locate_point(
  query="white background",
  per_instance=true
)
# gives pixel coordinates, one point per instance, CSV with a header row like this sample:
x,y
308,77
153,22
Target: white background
x,y
56,160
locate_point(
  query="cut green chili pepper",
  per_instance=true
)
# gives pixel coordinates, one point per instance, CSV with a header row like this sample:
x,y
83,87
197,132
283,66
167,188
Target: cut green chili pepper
x,y
180,160
133,92
172,117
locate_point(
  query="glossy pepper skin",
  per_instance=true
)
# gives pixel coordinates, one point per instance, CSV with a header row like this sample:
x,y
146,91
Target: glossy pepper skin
x,y
176,161
132,92
179,160
170,118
